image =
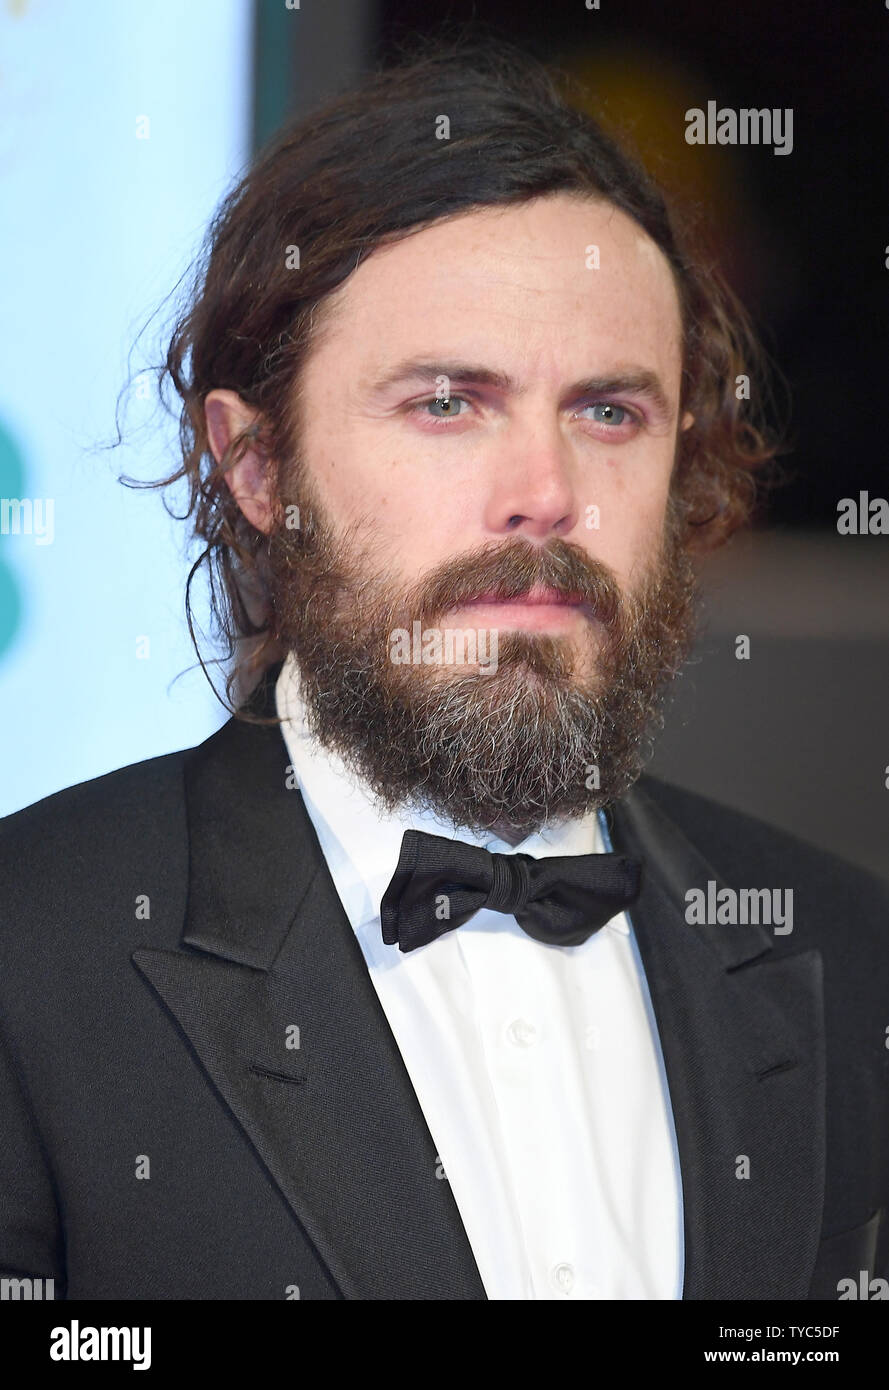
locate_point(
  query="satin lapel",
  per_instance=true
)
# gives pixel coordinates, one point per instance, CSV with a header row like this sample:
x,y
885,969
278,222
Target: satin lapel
x,y
741,1028
267,950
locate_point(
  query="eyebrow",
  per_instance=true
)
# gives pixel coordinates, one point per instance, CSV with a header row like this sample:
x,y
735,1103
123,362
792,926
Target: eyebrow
x,y
637,381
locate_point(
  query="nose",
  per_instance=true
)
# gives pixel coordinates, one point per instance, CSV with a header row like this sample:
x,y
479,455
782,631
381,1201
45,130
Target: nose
x,y
533,492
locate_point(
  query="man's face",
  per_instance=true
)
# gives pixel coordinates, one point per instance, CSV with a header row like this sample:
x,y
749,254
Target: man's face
x,y
488,426
502,293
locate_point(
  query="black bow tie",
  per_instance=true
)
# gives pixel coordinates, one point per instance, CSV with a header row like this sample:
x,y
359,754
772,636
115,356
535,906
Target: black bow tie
x,y
439,884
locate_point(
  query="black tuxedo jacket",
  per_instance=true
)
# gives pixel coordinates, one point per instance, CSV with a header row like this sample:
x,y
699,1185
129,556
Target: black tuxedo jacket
x,y
162,928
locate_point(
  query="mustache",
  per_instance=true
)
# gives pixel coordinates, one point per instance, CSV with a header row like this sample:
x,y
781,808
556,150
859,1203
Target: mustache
x,y
511,571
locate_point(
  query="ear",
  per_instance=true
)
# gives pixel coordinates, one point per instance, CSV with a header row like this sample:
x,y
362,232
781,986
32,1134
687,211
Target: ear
x,y
687,421
248,479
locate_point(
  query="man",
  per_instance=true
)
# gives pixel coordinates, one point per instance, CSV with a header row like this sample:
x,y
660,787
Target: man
x,y
407,984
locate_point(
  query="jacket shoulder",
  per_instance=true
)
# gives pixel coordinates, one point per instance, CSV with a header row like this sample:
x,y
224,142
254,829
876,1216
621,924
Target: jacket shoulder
x,y
740,844
72,847
85,805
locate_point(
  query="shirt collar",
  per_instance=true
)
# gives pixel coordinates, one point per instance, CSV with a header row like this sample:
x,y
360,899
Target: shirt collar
x,y
361,841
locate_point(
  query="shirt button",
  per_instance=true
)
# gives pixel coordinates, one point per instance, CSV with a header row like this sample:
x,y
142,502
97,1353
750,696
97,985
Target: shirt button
x,y
521,1033
563,1278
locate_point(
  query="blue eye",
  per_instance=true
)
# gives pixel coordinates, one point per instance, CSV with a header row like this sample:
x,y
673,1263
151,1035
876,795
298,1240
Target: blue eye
x,y
609,414
446,405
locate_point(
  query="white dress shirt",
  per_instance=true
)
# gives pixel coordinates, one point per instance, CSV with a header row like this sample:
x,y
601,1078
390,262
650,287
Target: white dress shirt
x,y
538,1068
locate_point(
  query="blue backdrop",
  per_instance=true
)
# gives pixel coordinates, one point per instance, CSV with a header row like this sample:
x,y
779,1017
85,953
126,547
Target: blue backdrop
x,y
121,126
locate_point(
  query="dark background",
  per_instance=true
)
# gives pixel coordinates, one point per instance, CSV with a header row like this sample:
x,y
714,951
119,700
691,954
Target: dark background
x,y
797,734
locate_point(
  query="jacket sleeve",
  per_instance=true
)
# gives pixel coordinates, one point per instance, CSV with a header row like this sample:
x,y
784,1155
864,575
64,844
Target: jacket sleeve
x,y
31,1243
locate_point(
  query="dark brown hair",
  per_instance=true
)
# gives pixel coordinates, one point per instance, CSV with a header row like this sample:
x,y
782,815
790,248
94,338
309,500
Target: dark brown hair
x,y
365,169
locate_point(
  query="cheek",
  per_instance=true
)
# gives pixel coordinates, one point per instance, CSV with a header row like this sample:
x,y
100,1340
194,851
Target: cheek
x,y
349,492
626,519
410,530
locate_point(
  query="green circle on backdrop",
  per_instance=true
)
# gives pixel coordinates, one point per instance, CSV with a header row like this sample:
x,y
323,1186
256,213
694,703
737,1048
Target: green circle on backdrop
x,y
12,484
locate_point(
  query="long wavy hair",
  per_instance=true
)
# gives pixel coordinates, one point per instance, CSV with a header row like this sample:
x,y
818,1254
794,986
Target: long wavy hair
x,y
367,169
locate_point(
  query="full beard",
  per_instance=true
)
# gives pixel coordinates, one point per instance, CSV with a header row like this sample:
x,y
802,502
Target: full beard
x,y
560,728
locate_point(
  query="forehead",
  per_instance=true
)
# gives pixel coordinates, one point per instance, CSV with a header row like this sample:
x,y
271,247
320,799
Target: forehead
x,y
552,286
